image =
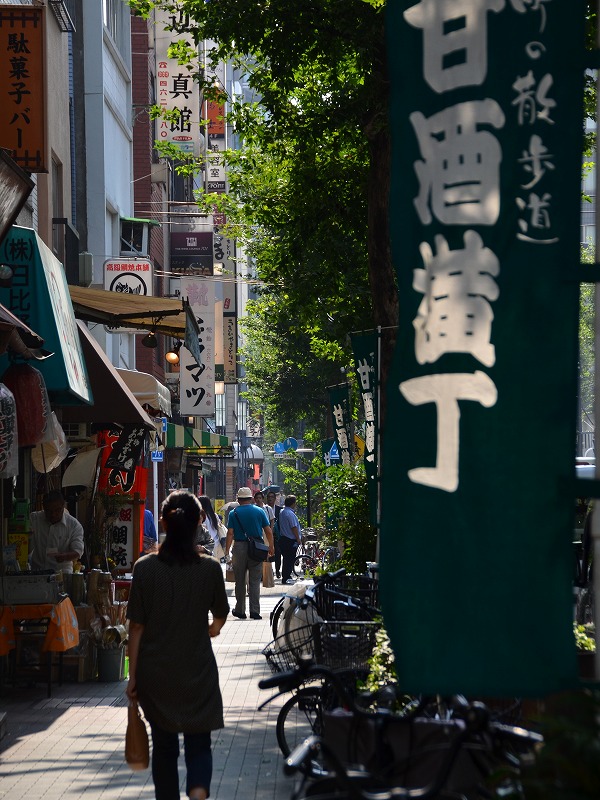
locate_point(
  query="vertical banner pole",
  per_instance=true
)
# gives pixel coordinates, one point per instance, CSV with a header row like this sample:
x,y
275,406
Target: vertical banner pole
x,y
378,448
595,526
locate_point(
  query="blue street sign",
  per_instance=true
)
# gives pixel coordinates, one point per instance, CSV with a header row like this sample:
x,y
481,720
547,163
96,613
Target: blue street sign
x,y
290,443
334,453
157,455
164,429
279,447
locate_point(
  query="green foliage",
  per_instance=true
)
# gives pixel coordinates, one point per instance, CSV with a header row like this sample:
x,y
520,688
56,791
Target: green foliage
x,y
297,201
344,497
568,765
382,664
584,639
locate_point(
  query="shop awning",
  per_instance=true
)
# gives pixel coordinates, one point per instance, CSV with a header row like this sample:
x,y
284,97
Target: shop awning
x,y
113,400
158,314
147,390
197,442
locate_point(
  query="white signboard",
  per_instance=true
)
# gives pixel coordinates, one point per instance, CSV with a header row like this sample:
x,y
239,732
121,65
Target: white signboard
x,y
177,90
129,276
197,381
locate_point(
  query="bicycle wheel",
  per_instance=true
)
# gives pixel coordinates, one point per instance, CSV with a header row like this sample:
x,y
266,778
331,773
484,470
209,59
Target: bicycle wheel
x,y
330,556
300,716
276,615
304,566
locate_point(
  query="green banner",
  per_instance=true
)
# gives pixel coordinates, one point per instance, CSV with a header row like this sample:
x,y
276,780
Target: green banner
x,y
477,518
366,359
339,402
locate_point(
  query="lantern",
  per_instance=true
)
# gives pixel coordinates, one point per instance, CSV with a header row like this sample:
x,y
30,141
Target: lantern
x,y
31,398
9,451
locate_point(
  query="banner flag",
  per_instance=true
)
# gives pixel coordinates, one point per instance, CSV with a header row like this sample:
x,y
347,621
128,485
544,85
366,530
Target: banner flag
x,y
479,446
365,348
339,401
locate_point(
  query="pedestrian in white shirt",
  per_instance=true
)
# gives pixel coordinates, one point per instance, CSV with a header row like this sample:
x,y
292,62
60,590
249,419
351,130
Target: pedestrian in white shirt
x,y
56,536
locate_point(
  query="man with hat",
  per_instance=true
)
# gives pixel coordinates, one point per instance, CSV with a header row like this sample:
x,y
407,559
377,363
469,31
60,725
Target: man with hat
x,y
247,521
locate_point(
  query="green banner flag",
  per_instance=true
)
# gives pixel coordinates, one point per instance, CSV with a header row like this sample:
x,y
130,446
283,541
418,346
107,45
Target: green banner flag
x,y
477,515
366,359
339,401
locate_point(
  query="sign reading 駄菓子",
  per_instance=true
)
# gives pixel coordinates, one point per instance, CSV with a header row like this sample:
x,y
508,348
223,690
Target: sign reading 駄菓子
x,y
486,119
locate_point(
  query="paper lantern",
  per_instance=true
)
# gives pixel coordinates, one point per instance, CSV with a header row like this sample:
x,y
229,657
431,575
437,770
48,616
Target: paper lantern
x,y
9,451
31,398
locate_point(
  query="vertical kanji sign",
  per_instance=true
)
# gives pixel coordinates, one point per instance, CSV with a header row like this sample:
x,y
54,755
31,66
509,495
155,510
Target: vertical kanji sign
x,y
197,379
176,88
22,82
487,118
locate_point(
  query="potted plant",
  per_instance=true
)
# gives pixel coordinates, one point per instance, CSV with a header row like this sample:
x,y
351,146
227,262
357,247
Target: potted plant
x,y
586,649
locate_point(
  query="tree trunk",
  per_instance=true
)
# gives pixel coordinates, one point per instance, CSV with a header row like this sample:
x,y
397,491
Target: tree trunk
x,y
382,277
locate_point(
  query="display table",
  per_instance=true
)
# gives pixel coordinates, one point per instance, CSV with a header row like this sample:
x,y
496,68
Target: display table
x,y
57,622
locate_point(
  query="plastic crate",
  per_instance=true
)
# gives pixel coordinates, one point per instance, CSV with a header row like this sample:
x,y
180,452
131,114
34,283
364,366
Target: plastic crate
x,y
284,653
345,645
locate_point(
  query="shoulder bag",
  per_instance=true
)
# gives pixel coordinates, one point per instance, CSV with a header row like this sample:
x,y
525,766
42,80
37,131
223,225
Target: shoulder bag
x,y
257,550
137,751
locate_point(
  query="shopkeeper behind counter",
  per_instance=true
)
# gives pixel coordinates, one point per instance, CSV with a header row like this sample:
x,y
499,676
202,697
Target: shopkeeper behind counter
x,y
56,536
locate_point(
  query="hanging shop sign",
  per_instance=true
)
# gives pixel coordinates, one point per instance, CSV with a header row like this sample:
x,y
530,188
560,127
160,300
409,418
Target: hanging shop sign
x,y
197,378
121,473
366,360
484,216
176,88
22,82
339,402
129,276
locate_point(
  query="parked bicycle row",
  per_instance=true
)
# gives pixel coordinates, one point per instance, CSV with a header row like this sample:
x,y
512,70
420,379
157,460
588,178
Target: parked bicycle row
x,y
348,743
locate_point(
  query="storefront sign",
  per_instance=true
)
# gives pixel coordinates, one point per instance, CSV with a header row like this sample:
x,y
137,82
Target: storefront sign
x,y
22,81
177,89
39,296
486,123
129,276
339,401
365,348
197,379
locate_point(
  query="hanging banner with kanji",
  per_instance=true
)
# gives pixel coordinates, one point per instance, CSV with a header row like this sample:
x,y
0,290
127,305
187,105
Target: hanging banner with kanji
x,y
197,379
366,360
477,515
341,415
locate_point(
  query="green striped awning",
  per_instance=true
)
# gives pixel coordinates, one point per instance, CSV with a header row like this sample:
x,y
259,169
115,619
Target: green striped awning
x,y
196,441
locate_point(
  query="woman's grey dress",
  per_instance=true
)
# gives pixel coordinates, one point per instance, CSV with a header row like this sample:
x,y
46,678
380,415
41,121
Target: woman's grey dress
x,y
177,678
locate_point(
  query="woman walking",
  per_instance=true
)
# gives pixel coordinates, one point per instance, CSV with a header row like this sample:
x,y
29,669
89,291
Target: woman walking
x,y
213,525
172,668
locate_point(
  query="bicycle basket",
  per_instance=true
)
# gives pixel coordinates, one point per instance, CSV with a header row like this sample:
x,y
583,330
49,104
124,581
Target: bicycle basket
x,y
283,653
362,589
345,645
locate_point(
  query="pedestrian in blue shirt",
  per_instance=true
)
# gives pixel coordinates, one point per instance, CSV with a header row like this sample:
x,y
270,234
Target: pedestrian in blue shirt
x,y
247,521
289,537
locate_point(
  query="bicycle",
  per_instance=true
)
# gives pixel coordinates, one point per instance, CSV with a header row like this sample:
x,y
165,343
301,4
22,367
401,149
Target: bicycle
x,y
334,595
344,646
372,754
311,555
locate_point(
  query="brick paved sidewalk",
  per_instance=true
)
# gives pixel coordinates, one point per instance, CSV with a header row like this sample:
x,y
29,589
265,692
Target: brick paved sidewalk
x,y
71,745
